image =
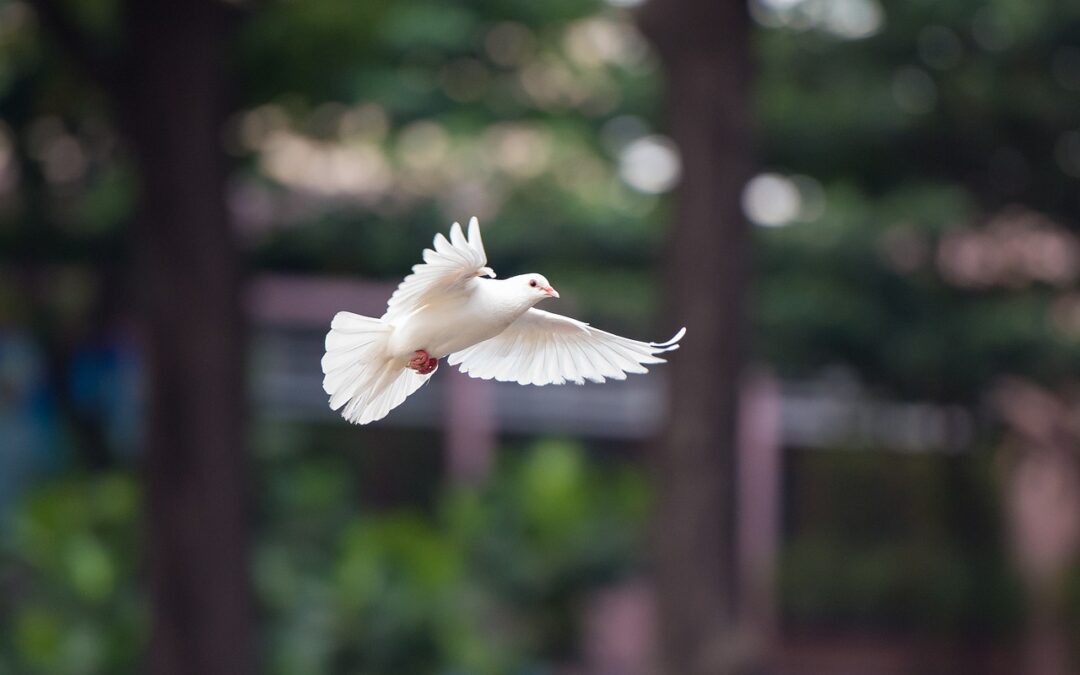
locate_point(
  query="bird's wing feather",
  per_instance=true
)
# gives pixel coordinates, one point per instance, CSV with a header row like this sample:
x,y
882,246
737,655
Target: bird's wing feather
x,y
445,271
544,348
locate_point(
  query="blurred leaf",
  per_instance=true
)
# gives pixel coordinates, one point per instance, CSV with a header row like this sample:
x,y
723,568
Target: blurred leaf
x,y
38,636
90,570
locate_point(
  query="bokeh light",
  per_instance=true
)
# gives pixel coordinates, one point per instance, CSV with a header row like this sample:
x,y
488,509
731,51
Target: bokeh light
x,y
650,164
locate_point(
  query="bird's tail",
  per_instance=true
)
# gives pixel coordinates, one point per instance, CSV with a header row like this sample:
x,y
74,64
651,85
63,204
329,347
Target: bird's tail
x,y
359,373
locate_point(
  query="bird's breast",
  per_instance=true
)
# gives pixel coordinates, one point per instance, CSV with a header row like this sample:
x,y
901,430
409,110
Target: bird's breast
x,y
441,330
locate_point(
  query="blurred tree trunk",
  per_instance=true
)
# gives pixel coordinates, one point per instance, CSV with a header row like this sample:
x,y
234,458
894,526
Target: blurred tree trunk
x,y
187,271
169,86
704,46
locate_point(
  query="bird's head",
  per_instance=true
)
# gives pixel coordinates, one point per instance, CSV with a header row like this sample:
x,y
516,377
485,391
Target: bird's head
x,y
533,287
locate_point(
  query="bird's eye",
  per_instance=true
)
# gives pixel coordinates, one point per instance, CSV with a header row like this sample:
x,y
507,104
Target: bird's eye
x,y
532,282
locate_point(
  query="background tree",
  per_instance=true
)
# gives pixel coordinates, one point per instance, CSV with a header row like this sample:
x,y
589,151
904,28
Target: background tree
x,y
706,53
167,80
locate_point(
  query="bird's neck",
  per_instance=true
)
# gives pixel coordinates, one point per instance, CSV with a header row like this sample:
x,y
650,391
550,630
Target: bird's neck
x,y
503,299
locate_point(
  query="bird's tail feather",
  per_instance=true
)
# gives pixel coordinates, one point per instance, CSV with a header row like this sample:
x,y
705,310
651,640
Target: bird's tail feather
x,y
359,374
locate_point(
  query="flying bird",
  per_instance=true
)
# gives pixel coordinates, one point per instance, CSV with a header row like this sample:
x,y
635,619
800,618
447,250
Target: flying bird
x,y
453,306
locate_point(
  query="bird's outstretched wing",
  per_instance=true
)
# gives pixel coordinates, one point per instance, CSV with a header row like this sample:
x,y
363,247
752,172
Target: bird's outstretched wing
x,y
444,272
544,348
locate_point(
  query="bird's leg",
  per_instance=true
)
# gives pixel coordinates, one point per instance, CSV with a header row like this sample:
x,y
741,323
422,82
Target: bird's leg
x,y
422,362
430,367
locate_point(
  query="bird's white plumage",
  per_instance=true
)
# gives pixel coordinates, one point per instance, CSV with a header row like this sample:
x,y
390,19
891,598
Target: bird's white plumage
x,y
358,375
487,326
446,271
543,348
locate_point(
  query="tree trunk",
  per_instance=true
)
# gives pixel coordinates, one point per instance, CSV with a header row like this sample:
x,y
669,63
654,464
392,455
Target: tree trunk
x,y
704,45
187,273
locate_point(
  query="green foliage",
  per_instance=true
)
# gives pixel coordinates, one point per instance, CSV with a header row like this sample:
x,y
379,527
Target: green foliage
x,y
69,562
491,581
898,176
909,543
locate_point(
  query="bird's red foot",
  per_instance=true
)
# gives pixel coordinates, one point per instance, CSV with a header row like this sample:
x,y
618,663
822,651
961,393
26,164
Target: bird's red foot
x,y
423,363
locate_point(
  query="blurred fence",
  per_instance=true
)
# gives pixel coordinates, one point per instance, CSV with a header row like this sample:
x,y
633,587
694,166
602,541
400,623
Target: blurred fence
x,y
292,315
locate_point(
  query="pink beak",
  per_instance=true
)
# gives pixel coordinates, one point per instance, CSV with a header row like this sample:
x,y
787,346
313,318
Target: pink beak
x,y
551,291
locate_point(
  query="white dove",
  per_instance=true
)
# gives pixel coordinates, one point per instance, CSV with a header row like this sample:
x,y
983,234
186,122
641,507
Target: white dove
x,y
488,326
